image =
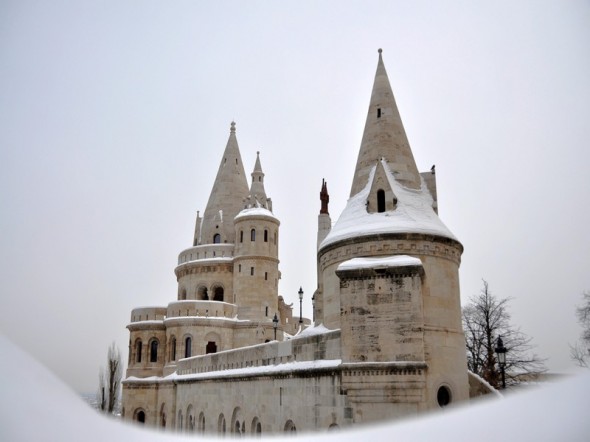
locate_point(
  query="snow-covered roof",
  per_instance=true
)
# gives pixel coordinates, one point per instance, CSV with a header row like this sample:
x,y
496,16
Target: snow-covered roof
x,y
256,211
413,214
380,262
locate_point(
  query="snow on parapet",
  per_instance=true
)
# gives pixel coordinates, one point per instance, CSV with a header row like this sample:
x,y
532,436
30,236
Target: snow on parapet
x,y
379,262
312,331
413,214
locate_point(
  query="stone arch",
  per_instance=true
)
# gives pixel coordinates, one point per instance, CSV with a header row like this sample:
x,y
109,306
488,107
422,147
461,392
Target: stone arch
x,y
163,415
179,421
190,419
182,293
217,292
153,349
221,424
202,293
201,423
237,422
216,238
256,427
333,427
139,415
290,427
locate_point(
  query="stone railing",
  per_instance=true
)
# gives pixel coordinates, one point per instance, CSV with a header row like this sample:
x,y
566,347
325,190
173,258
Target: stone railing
x,y
148,314
208,251
297,349
217,309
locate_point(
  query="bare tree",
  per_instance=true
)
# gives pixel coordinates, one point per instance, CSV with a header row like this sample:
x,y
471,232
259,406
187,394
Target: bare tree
x,y
580,352
110,381
485,319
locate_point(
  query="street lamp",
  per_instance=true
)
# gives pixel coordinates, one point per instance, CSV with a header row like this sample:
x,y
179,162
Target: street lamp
x,y
275,324
300,293
501,352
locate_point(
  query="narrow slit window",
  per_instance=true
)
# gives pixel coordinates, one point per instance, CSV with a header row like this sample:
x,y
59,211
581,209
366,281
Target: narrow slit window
x,y
380,201
253,235
379,113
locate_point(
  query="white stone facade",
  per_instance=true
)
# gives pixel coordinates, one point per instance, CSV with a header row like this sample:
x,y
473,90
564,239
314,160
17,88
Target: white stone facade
x,y
390,344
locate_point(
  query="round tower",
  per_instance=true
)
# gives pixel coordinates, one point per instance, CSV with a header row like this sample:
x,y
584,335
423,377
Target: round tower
x,y
256,255
389,271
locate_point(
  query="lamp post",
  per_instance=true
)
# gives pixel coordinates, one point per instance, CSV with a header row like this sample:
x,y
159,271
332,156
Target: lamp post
x,y
501,352
300,293
275,324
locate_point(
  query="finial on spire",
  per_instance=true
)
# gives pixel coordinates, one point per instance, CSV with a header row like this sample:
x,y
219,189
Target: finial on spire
x,y
324,197
379,50
233,127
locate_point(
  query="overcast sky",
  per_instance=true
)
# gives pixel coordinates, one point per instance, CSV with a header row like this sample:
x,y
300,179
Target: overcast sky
x,y
114,116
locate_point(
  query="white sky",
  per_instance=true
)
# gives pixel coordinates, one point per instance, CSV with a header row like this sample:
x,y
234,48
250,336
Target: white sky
x,y
114,116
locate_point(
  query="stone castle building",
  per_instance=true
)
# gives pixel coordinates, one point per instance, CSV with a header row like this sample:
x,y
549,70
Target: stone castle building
x,y
386,342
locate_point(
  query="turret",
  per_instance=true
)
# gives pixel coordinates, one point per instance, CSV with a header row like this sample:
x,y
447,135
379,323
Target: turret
x,y
256,263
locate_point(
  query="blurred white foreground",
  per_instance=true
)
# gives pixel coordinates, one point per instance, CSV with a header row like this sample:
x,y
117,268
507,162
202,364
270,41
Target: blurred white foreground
x,y
36,406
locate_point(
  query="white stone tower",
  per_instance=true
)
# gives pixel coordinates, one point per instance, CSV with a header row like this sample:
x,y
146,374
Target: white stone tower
x,y
388,273
256,263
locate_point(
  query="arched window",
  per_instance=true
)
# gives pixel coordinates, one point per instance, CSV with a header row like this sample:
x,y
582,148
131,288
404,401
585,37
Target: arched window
x,y
179,422
140,416
201,423
265,235
173,348
380,200
202,294
187,347
290,427
276,238
138,350
216,238
221,424
211,347
253,235
218,294
154,350
241,236
183,294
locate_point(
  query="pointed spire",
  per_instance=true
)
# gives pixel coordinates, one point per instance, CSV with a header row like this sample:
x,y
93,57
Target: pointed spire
x,y
226,199
257,193
384,137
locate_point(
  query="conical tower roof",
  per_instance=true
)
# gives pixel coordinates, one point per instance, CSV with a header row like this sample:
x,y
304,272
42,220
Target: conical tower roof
x,y
227,196
387,195
384,137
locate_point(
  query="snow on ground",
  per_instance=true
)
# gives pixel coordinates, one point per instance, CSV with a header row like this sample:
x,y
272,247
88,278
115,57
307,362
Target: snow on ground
x,y
36,406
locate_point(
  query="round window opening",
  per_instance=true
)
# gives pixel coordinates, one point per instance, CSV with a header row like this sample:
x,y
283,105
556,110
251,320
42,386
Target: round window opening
x,y
443,396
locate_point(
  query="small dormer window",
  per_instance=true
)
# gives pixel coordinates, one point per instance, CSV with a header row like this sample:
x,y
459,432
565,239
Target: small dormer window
x,y
379,113
380,200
